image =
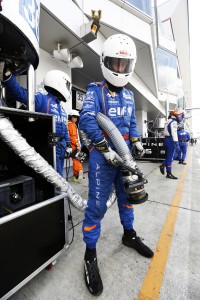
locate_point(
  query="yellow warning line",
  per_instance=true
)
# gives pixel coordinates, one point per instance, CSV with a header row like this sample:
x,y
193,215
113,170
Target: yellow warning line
x,y
153,280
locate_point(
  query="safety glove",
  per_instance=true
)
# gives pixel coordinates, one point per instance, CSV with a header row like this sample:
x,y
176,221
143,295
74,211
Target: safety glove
x,y
137,148
110,155
177,147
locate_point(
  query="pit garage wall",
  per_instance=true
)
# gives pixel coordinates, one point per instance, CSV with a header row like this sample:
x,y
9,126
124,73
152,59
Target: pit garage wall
x,y
141,117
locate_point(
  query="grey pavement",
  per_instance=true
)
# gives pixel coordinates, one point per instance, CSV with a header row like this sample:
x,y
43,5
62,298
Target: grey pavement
x,y
122,269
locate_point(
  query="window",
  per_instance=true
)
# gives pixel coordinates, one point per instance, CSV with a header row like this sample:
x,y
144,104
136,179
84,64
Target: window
x,y
167,71
143,5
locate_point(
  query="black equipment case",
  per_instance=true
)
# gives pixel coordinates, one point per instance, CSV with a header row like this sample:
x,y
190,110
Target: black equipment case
x,y
154,149
33,227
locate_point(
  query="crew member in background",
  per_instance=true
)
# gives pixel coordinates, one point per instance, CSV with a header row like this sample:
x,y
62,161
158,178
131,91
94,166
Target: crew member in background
x,y
191,141
171,141
183,138
111,98
58,86
75,144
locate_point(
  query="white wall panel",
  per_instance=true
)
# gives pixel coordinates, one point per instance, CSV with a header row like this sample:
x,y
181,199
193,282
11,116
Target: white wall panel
x,y
67,12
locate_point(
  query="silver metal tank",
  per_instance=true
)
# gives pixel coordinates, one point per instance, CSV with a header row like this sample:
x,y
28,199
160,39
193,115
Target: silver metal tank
x,y
159,123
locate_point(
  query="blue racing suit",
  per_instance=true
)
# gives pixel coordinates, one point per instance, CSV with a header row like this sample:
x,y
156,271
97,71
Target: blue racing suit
x,y
45,104
119,107
170,142
183,138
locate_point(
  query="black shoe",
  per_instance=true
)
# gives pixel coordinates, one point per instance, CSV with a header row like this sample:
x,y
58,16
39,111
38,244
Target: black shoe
x,y
162,169
136,243
169,175
182,162
92,277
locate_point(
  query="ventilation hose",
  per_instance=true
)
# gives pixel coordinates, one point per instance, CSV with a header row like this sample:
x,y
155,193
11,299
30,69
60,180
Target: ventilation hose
x,y
34,160
117,139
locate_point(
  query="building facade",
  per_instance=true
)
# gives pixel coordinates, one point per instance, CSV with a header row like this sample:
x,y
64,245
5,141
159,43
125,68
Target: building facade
x,y
161,80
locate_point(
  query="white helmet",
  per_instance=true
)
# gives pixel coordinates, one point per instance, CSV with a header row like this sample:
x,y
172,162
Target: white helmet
x,y
74,112
58,83
118,49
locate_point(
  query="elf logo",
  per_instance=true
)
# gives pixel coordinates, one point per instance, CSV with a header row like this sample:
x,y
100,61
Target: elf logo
x,y
119,111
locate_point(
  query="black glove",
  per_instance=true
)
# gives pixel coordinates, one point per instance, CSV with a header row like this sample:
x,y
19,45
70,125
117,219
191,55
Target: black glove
x,y
102,146
5,71
110,155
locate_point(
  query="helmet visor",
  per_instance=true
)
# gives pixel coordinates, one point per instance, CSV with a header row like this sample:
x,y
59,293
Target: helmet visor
x,y
119,65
